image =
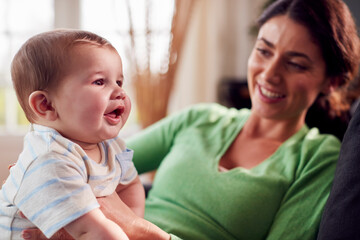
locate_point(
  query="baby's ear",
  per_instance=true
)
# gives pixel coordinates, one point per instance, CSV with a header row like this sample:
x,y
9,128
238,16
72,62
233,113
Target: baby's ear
x,y
41,105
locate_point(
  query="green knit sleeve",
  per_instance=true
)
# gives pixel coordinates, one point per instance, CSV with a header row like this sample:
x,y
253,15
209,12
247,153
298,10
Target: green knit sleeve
x,y
173,237
152,144
300,212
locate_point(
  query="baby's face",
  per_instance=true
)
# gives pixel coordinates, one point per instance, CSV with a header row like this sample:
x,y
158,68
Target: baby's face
x,y
90,102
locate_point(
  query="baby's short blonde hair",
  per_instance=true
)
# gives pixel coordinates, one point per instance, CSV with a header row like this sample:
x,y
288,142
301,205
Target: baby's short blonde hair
x,y
40,62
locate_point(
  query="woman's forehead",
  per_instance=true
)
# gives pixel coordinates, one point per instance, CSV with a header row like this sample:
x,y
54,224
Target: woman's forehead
x,y
283,33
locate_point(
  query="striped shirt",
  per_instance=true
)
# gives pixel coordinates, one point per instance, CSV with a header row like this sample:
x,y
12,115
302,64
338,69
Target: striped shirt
x,y
54,182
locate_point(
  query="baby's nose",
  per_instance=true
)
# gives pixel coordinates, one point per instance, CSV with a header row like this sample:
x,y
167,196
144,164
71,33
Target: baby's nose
x,y
119,93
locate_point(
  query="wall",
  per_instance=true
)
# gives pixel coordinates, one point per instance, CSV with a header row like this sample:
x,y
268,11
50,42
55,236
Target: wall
x,y
10,147
354,6
217,45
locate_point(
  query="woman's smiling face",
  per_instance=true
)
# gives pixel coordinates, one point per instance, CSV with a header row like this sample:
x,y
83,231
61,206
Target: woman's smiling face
x,y
286,70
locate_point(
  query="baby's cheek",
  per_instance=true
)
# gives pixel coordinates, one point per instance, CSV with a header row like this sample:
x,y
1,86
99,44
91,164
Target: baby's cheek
x,y
92,112
128,104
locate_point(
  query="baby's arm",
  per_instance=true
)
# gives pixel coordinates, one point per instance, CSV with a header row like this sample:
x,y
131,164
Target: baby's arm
x,y
133,195
94,225
135,227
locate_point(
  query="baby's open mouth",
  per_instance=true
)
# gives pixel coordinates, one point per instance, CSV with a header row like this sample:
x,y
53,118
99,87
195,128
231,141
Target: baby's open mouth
x,y
115,113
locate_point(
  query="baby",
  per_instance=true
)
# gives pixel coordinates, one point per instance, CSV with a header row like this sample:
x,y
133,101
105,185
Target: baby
x,y
70,86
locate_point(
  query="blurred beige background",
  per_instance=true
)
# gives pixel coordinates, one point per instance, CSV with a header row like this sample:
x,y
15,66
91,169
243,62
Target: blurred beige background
x,y
217,46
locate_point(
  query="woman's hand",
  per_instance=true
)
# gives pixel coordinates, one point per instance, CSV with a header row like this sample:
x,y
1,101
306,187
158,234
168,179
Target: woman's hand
x,y
134,226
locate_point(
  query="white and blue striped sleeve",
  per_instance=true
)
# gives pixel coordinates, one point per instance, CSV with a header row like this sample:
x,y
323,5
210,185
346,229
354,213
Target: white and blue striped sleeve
x,y
54,192
128,170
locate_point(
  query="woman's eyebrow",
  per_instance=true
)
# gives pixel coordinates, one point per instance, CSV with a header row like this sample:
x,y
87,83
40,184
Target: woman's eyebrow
x,y
298,54
268,43
290,54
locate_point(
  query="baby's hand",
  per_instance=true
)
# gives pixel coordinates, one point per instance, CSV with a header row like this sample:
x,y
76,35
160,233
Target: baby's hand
x,y
10,166
36,234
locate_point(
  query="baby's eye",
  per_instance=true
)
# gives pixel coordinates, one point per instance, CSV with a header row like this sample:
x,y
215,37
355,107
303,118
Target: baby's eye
x,y
99,82
119,83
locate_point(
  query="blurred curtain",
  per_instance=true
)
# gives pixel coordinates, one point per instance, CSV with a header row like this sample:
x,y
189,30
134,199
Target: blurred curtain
x,y
217,46
153,89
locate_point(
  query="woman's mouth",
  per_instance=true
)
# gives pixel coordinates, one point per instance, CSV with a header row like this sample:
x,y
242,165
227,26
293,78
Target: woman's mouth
x,y
270,96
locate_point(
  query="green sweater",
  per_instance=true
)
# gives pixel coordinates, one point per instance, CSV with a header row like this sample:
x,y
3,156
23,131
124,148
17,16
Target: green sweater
x,y
281,198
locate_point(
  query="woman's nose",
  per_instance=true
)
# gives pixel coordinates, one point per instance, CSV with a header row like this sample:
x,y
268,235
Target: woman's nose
x,y
272,71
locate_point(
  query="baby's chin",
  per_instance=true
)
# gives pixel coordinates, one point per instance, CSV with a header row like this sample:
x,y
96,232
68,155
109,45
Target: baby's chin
x,y
99,138
110,134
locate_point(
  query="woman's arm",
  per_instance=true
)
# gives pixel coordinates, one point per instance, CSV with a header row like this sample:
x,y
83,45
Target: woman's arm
x,y
152,144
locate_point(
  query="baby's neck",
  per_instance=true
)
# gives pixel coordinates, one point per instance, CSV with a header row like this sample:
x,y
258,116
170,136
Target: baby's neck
x,y
93,152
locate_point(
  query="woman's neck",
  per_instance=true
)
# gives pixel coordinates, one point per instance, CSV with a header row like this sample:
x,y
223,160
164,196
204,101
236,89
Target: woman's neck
x,y
275,129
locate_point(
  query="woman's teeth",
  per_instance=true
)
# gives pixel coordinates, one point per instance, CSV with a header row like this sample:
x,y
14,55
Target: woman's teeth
x,y
270,94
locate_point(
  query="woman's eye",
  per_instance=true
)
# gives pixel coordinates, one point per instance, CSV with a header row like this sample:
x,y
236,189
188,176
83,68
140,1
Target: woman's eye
x,y
99,82
297,66
263,52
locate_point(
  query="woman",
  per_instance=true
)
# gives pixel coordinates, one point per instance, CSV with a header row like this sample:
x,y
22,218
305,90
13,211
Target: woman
x,y
259,173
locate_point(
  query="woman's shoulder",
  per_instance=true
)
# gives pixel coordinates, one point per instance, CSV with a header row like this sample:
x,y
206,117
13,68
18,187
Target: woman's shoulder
x,y
214,111
311,151
209,115
314,137
318,149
